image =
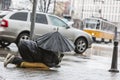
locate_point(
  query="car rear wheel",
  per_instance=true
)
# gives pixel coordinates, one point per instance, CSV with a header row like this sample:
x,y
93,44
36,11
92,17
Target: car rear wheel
x,y
23,36
80,45
4,44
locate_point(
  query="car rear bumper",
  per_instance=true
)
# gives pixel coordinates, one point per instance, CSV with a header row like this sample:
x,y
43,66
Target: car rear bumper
x,y
7,36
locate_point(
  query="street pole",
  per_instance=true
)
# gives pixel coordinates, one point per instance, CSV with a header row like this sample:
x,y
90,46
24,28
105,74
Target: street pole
x,y
54,6
33,18
82,9
115,38
115,55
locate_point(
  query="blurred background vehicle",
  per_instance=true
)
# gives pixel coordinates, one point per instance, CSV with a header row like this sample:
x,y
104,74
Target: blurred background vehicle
x,y
100,29
15,26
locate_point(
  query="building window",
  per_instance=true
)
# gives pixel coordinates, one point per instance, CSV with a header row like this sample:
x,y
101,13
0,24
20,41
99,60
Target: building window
x,y
6,4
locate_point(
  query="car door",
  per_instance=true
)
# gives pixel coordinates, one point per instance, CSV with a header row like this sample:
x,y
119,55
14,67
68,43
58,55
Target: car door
x,y
61,26
18,23
41,26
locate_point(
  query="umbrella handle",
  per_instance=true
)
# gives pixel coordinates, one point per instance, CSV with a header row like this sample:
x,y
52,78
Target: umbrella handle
x,y
57,29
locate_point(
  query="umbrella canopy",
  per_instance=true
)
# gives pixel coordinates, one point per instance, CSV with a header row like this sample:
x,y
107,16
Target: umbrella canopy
x,y
55,42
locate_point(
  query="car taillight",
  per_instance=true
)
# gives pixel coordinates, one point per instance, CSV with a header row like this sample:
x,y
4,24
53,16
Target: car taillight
x,y
4,23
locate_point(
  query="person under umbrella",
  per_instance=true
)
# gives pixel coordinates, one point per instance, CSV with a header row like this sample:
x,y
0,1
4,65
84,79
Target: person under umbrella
x,y
46,50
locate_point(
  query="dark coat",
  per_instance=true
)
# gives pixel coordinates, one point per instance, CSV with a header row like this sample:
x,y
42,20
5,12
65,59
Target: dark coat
x,y
30,52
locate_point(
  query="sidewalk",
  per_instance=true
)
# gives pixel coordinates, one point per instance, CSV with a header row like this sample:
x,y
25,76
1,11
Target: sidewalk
x,y
72,68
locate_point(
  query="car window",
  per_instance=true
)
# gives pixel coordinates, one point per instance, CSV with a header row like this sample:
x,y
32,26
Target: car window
x,y
19,16
57,22
41,18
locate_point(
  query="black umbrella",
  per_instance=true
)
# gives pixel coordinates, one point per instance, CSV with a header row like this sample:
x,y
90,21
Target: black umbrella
x,y
55,42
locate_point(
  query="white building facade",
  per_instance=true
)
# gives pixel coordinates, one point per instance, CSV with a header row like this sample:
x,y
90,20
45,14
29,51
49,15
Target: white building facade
x,y
107,9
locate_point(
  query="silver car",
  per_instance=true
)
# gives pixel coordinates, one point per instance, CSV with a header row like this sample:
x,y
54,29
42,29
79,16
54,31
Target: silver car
x,y
16,26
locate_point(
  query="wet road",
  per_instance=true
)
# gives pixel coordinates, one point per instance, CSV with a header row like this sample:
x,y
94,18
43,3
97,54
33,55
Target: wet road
x,y
73,67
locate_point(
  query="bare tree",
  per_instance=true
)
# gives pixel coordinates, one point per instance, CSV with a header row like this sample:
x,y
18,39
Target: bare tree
x,y
31,1
49,2
43,5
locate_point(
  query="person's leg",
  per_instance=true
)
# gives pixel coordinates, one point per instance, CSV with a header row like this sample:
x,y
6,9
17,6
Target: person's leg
x,y
25,64
7,57
13,60
17,61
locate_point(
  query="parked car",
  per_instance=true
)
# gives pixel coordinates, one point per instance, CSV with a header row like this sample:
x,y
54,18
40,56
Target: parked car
x,y
15,26
2,14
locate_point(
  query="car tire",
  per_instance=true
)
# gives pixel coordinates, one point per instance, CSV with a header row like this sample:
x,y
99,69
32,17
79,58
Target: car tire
x,y
23,36
80,45
4,44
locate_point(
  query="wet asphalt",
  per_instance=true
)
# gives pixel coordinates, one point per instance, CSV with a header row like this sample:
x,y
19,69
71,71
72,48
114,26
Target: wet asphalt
x,y
93,65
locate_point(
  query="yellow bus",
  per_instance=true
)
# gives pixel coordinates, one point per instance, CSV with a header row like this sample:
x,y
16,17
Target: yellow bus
x,y
100,29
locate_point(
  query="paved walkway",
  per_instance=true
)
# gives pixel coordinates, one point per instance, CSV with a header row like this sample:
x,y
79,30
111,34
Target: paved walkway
x,y
73,67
